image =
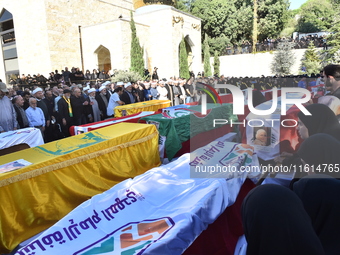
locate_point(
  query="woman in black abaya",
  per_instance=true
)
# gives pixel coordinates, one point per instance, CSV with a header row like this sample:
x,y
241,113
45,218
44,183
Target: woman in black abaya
x,y
320,190
277,221
321,152
320,197
322,120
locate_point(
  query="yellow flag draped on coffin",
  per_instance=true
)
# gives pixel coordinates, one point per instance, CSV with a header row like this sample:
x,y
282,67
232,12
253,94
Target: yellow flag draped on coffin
x,y
152,106
67,172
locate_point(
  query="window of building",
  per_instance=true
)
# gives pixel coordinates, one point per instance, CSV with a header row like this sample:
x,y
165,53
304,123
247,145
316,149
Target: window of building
x,y
8,44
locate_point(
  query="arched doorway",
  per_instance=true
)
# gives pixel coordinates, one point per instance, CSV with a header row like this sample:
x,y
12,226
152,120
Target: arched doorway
x,y
188,45
104,58
189,56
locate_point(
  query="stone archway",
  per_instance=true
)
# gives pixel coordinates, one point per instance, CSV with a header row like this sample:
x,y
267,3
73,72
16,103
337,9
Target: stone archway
x,y
103,58
188,45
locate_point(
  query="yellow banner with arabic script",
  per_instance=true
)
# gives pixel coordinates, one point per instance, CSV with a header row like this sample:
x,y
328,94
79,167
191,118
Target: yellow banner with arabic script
x,y
67,172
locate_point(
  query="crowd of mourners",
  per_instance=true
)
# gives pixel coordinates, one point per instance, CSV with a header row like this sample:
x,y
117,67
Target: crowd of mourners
x,y
300,219
56,104
269,44
65,77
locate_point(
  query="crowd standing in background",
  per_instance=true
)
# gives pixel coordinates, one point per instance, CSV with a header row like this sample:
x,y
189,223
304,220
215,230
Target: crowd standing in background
x,y
66,77
309,209
72,100
269,44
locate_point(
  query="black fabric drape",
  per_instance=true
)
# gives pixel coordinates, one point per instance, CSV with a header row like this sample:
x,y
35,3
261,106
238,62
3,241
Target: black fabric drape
x,y
275,223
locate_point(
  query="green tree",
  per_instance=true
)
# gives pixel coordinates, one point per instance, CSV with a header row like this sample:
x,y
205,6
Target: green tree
x,y
136,52
333,40
207,67
234,19
184,5
311,60
244,18
217,17
284,58
126,76
315,16
216,65
332,55
231,21
183,61
291,25
230,18
218,44
272,17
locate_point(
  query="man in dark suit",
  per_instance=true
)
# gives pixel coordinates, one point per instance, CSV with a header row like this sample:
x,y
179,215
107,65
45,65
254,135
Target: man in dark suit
x,y
65,112
38,94
128,96
79,103
18,103
49,101
103,100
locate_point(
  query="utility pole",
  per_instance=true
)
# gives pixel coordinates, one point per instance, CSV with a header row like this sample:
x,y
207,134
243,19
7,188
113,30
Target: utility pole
x,y
255,27
81,49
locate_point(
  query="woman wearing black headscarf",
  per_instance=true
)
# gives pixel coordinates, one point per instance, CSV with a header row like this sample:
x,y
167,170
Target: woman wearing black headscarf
x,y
316,150
275,223
258,97
319,192
322,120
322,153
320,197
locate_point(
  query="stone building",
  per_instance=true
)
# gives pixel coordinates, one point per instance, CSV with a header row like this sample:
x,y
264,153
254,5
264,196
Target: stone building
x,y
40,36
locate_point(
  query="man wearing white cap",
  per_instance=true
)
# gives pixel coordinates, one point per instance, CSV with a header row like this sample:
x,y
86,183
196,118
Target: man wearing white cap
x,y
86,91
128,97
94,114
35,116
8,120
103,101
106,83
163,92
39,95
108,86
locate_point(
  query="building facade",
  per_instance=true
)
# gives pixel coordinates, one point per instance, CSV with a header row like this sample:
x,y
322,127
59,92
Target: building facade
x,y
40,36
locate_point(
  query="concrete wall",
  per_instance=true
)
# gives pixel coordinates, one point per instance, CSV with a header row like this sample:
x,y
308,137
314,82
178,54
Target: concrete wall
x,y
65,16
118,45
47,34
253,64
